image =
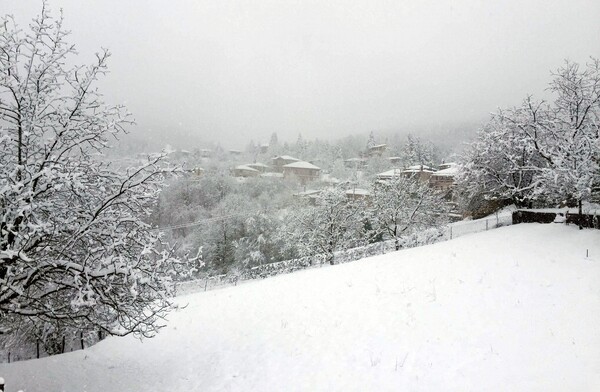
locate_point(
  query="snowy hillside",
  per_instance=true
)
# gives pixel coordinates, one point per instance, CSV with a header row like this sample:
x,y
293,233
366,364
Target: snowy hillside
x,y
512,309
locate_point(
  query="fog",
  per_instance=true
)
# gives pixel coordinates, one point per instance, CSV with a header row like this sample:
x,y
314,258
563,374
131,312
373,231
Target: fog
x,y
231,71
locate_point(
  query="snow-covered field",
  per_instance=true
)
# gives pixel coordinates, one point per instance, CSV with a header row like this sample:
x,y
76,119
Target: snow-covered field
x,y
512,309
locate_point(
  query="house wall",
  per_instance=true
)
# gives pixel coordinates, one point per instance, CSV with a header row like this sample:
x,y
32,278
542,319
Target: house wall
x,y
279,163
441,182
302,173
420,175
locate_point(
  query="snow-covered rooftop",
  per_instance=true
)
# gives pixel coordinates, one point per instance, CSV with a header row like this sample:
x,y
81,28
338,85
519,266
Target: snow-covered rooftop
x,y
302,165
358,191
448,164
245,167
309,192
390,173
356,160
286,158
448,172
257,164
416,168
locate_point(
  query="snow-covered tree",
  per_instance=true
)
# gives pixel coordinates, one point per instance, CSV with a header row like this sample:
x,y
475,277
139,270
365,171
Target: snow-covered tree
x,y
301,147
376,164
540,151
418,152
371,141
260,245
402,206
333,224
218,235
573,136
274,147
503,163
74,247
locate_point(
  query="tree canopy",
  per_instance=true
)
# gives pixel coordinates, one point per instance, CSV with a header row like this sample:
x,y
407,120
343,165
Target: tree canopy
x,y
74,245
539,151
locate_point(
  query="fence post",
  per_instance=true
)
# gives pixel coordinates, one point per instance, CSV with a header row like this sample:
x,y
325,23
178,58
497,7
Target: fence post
x,y
37,348
205,283
450,231
486,225
81,338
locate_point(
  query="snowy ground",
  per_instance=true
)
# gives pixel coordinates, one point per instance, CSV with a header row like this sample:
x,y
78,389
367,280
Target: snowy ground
x,y
512,309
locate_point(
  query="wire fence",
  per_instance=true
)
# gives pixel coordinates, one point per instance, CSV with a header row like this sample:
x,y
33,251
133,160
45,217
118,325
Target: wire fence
x,y
458,229
426,237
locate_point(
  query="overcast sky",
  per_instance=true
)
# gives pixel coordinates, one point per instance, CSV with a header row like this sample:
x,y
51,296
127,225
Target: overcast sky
x,y
236,70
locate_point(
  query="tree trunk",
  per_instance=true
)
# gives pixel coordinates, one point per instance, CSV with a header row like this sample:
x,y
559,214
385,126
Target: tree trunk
x,y
580,215
330,256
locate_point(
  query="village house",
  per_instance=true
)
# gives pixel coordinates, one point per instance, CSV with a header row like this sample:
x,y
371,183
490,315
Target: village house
x,y
419,172
389,175
376,150
395,160
355,163
304,171
443,179
311,195
279,162
261,167
245,171
358,194
447,165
